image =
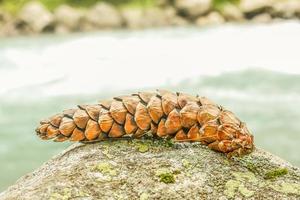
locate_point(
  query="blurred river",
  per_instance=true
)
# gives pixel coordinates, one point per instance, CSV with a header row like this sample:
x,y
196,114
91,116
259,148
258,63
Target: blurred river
x,y
252,69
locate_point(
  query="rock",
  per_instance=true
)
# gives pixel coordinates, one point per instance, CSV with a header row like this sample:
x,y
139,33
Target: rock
x,y
103,15
4,16
133,18
151,17
232,13
286,9
255,6
193,8
7,25
8,29
35,17
213,18
262,18
153,169
172,18
163,3
67,18
179,21
154,17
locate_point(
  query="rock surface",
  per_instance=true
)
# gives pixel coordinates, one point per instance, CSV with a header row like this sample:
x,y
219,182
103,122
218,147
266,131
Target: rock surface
x,y
133,18
35,17
155,169
262,18
232,13
193,8
249,6
104,15
287,9
7,26
213,18
67,18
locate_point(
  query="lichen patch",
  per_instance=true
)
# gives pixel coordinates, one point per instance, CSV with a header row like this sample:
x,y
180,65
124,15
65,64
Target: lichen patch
x,y
287,188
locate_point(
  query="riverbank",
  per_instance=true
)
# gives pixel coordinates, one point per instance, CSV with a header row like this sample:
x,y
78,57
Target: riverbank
x,y
35,18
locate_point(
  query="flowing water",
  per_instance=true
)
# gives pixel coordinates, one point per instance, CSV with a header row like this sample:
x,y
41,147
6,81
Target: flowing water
x,y
251,69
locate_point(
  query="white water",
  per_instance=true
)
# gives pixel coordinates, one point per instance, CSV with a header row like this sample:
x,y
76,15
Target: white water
x,y
91,63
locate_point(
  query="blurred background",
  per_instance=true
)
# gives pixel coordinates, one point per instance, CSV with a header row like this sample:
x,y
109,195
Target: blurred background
x,y
55,54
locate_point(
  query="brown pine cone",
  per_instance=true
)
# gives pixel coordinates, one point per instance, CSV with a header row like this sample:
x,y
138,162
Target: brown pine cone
x,y
163,114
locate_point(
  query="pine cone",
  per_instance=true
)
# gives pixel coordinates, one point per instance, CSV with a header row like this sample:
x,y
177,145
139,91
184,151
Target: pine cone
x,y
164,114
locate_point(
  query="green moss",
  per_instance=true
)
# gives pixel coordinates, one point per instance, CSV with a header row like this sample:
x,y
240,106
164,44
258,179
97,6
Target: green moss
x,y
167,178
288,188
169,143
252,167
106,168
276,173
143,147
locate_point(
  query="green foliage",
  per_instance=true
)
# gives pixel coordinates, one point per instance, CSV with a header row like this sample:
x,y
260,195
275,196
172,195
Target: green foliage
x,y
88,3
218,4
13,6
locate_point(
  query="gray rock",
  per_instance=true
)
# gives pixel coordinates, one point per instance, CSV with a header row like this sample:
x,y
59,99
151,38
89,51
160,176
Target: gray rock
x,y
103,15
154,169
232,13
262,18
286,9
193,8
8,29
249,6
67,18
164,3
7,24
133,18
155,17
179,21
4,16
35,17
213,18
174,19
151,17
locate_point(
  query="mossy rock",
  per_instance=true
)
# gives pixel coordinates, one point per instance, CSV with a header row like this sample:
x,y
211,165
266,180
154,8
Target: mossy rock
x,y
154,169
